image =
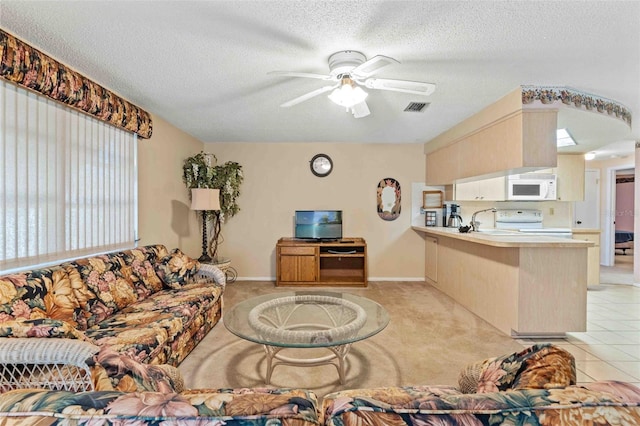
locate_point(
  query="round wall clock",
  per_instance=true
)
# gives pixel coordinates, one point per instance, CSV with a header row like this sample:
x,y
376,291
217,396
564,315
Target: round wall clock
x,y
321,165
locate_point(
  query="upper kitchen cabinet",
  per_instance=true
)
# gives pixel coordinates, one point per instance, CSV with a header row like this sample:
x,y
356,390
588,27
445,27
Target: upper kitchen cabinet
x,y
517,134
494,189
570,172
503,137
570,177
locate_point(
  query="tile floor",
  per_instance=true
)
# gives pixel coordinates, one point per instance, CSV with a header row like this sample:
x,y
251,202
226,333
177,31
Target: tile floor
x,y
610,348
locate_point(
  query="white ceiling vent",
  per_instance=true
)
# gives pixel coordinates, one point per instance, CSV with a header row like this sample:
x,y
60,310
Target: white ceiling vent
x,y
416,106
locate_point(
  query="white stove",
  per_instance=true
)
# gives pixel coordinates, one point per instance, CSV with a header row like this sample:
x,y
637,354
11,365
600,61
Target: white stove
x,y
528,222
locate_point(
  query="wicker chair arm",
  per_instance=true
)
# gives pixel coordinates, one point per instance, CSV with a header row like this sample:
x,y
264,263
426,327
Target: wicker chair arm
x,y
208,271
54,363
34,350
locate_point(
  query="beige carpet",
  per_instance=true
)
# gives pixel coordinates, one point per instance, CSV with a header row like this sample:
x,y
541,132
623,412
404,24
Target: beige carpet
x,y
428,340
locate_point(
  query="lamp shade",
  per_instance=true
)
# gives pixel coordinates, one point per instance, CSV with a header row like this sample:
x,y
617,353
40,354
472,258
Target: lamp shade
x,y
205,199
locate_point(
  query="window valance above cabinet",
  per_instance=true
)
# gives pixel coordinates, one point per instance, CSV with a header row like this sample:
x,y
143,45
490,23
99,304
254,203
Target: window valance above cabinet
x,y
26,66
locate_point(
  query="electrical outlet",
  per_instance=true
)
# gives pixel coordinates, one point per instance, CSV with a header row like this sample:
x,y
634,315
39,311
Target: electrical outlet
x,y
550,211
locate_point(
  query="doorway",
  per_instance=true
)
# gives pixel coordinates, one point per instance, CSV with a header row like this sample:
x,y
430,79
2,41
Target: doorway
x,y
607,242
624,223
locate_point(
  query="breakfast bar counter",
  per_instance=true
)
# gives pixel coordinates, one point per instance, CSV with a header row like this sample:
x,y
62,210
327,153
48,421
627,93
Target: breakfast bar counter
x,y
524,285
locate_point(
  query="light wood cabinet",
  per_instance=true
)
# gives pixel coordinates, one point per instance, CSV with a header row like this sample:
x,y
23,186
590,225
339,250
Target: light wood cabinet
x,y
501,280
494,189
298,264
312,263
570,173
505,136
431,260
593,253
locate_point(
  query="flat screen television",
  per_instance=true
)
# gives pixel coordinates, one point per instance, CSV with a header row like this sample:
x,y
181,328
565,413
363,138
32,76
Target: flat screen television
x,y
320,225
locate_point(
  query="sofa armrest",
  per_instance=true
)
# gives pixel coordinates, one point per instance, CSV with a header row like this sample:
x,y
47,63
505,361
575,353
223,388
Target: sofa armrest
x,y
541,366
52,363
207,271
594,403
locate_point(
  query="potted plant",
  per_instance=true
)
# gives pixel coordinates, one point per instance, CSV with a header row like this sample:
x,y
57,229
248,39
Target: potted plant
x,y
203,171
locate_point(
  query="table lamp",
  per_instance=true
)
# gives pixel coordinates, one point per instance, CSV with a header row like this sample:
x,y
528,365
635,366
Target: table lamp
x,y
205,200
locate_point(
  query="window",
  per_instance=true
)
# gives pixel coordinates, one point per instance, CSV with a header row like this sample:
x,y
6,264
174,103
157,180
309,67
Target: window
x,y
68,182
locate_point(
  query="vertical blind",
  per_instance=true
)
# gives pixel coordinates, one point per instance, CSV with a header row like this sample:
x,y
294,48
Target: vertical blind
x,y
68,182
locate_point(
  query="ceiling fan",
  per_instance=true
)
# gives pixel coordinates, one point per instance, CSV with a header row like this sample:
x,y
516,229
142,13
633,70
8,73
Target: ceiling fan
x,y
348,71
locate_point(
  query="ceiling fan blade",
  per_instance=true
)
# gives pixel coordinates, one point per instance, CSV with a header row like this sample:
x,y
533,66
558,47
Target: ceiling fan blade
x,y
405,86
308,96
372,66
360,110
301,74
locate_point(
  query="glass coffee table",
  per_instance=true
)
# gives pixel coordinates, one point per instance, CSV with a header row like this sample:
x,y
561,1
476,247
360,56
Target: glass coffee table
x,y
306,319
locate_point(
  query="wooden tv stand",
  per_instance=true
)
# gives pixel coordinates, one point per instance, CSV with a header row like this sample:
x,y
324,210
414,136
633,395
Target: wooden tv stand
x,y
315,263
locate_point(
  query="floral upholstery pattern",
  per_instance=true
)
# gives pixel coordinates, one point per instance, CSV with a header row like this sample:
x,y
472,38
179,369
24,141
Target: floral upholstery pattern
x,y
176,269
111,370
540,366
54,293
116,299
143,275
108,280
602,403
130,392
230,407
22,64
144,329
41,327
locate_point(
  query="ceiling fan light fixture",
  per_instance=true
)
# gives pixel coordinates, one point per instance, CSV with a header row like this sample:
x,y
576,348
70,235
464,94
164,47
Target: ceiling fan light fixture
x,y
348,94
360,110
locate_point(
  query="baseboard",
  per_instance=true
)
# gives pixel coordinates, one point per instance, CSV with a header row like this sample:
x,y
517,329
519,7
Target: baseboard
x,y
256,279
370,279
396,279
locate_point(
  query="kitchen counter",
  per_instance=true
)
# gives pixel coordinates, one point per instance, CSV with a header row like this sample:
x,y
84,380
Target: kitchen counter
x,y
585,230
593,262
503,238
524,285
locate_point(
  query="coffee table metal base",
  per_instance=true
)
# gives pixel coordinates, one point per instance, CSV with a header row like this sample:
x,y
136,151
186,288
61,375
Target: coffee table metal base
x,y
338,359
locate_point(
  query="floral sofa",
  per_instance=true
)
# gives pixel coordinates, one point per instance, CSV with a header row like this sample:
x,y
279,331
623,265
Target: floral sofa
x,y
128,392
146,302
533,387
536,386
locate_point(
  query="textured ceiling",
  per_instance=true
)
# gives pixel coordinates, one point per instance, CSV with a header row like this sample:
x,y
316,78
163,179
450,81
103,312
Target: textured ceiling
x,y
202,65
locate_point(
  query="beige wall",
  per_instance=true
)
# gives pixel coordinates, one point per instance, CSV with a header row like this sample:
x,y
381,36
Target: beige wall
x,y
163,200
278,182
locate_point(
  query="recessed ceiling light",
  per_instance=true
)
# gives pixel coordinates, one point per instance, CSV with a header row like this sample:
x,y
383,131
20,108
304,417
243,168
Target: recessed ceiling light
x,y
564,138
590,156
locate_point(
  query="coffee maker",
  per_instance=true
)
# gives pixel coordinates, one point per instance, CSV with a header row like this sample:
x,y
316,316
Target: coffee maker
x,y
455,220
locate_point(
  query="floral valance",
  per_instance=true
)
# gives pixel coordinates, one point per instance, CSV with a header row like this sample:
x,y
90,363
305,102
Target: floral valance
x,y
575,99
26,66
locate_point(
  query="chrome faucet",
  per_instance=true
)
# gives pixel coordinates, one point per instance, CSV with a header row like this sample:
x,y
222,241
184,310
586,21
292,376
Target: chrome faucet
x,y
474,224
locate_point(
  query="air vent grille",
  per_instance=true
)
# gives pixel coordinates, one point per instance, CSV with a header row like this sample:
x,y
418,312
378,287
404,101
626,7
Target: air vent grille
x,y
416,106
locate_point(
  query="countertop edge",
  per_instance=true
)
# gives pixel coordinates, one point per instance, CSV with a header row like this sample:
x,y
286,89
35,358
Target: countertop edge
x,y
585,231
503,241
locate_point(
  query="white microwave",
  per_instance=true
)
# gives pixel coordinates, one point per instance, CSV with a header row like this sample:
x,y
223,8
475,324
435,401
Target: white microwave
x,y
531,187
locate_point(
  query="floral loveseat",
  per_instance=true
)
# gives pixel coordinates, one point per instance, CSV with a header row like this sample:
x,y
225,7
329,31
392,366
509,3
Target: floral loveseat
x,y
536,386
146,302
533,387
